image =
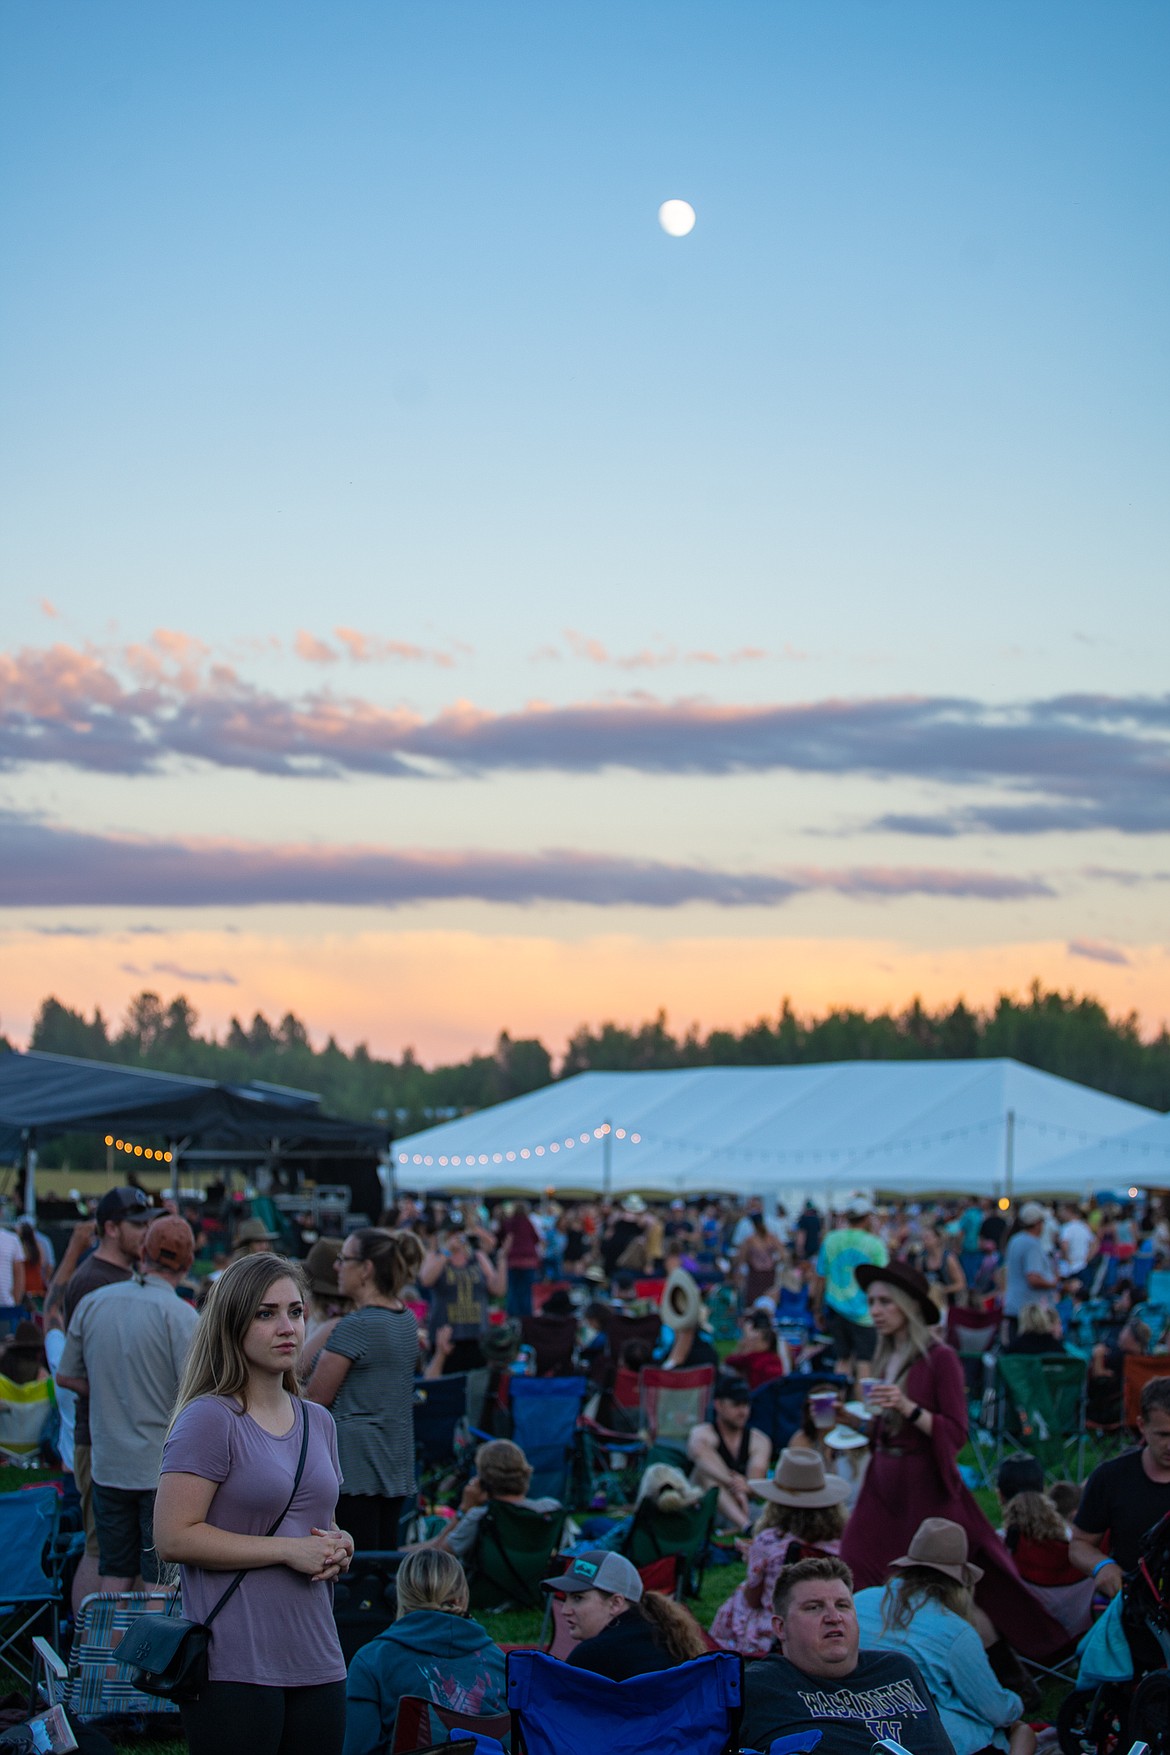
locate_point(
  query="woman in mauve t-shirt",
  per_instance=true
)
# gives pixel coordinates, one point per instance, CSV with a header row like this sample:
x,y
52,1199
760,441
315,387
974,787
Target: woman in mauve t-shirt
x,y
276,1674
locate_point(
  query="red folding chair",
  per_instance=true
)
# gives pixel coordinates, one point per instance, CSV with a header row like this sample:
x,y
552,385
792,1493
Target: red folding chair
x,y
673,1403
413,1725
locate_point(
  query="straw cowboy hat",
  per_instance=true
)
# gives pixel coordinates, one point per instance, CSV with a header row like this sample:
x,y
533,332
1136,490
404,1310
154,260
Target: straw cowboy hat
x,y
800,1479
681,1304
941,1545
907,1279
633,1203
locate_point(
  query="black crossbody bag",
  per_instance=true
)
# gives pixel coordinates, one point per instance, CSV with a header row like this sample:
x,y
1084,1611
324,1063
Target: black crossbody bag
x,y
167,1653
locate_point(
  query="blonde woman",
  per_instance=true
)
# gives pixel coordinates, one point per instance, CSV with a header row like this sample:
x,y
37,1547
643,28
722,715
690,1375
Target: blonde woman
x,y
432,1651
925,1610
916,1433
230,1465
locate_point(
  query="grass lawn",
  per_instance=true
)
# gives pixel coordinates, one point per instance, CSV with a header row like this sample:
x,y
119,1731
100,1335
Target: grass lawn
x,y
515,1626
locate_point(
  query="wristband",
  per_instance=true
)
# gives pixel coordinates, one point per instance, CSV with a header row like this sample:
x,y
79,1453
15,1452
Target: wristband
x,y
915,1415
1108,1561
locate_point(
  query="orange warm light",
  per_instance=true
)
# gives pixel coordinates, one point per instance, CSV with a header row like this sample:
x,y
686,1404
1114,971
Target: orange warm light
x,y
134,1151
1003,1203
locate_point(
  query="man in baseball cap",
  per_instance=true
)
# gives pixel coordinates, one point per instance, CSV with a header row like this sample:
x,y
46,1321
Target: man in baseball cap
x,y
126,1346
601,1592
120,1225
1029,1268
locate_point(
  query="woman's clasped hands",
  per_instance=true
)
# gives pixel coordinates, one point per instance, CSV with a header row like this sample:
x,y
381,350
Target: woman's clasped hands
x,y
322,1556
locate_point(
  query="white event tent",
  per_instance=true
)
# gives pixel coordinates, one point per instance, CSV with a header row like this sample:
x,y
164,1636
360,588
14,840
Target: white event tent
x,y
1138,1158
985,1127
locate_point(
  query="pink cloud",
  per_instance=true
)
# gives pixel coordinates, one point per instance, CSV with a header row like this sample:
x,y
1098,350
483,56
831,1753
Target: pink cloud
x,y
48,866
373,649
49,609
1067,763
312,650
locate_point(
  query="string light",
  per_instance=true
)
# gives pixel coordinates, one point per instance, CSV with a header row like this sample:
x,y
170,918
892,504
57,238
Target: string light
x,y
781,1154
465,1160
134,1151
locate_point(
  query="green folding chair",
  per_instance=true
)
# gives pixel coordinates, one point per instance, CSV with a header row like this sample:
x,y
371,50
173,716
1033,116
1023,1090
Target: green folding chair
x,y
655,1534
514,1550
1041,1409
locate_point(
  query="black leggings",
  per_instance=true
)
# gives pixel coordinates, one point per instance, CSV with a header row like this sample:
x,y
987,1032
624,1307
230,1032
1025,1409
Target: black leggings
x,y
242,1718
370,1520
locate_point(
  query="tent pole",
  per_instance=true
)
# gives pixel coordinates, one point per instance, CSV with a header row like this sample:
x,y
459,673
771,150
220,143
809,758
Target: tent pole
x,y
174,1150
30,1174
1009,1153
606,1159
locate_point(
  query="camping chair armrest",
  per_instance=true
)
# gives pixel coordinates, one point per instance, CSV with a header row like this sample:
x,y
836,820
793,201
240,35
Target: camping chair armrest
x,y
55,1668
54,1663
614,1440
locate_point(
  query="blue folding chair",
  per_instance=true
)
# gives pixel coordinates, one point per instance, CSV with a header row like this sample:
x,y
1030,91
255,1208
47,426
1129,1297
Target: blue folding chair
x,y
440,1408
545,1411
778,1405
691,1709
794,1314
30,1581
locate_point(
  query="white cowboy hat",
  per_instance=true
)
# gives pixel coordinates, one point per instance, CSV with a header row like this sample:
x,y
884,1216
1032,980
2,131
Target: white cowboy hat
x,y
681,1304
845,1438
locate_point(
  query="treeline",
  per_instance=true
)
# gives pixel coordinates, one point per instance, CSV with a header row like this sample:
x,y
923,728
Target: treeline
x,y
1072,1036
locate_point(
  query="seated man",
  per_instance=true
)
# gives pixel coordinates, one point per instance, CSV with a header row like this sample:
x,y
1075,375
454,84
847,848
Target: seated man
x,y
728,1453
823,1682
1125,1497
502,1472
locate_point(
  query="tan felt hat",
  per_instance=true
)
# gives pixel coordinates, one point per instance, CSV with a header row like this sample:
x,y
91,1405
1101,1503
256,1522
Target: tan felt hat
x,y
941,1545
800,1479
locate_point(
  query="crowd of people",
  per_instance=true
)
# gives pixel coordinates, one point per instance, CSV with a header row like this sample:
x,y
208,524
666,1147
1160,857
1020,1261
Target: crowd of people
x,y
254,1413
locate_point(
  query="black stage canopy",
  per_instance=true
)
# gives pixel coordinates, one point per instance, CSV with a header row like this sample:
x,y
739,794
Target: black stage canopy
x,y
44,1095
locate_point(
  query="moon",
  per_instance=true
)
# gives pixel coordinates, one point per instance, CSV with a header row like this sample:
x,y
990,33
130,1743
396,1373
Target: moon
x,y
676,218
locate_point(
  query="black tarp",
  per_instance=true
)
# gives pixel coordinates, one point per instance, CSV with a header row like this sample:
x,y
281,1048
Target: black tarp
x,y
44,1095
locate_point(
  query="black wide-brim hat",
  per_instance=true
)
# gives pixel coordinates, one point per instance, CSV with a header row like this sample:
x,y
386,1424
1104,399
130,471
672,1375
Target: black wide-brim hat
x,y
908,1280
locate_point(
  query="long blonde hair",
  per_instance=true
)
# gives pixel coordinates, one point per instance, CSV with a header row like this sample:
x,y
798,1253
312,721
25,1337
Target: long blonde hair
x,y
906,1591
918,1342
216,1364
919,1339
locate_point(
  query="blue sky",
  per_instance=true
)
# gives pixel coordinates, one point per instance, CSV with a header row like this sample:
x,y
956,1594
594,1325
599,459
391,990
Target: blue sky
x,y
781,608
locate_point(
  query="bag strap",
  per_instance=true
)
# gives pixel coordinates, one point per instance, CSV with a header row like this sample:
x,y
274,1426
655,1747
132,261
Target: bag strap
x,y
238,1580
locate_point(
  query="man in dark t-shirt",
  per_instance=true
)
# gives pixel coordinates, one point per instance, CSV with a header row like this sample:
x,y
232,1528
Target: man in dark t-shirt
x,y
824,1682
1125,1497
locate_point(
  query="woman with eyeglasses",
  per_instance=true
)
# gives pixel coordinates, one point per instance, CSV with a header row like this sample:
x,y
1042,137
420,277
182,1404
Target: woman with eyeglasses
x,y
365,1377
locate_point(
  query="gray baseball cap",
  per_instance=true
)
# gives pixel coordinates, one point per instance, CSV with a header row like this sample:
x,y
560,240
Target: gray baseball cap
x,y
599,1569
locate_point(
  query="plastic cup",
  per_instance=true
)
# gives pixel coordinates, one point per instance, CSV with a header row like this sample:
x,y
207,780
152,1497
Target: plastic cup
x,y
824,1409
867,1386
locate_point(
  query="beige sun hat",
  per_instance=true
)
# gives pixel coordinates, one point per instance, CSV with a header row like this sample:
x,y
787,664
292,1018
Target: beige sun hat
x,y
941,1545
800,1479
681,1304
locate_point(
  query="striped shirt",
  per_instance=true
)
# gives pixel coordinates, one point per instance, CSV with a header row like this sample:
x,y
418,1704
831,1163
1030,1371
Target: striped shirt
x,y
374,1406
